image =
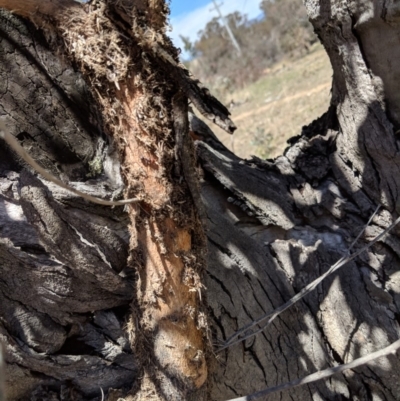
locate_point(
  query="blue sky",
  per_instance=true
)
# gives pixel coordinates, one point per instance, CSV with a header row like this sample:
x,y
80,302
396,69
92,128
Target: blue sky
x,y
179,7
188,17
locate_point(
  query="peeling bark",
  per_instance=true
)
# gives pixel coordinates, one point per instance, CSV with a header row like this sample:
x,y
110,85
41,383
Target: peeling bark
x,y
166,248
93,297
38,9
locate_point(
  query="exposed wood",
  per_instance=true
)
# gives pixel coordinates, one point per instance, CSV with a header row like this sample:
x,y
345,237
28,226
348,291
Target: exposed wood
x,y
66,288
168,327
31,8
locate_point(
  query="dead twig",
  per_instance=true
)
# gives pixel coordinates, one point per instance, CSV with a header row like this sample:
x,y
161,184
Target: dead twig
x,y
236,337
323,374
13,143
363,230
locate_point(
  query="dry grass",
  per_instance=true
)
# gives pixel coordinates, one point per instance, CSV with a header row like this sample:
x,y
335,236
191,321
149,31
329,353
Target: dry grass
x,y
268,112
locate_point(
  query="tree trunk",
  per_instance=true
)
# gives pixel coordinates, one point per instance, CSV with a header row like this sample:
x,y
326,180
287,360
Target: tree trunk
x,y
76,317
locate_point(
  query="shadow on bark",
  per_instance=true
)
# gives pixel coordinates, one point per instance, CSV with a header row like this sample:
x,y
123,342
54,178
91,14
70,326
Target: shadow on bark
x,y
273,227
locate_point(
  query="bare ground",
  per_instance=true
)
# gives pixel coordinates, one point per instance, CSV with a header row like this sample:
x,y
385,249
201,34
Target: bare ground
x,y
270,111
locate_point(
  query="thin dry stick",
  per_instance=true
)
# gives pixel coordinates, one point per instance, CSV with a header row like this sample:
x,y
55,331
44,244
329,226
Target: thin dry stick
x,y
306,290
22,153
363,230
323,374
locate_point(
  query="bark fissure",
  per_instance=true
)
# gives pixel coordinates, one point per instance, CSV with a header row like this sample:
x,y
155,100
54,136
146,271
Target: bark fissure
x,y
297,219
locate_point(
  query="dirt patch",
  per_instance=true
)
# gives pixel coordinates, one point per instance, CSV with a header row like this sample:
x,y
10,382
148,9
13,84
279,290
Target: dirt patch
x,y
268,112
286,99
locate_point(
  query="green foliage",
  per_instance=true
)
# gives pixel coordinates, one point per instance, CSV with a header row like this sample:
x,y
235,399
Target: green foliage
x,y
285,31
188,46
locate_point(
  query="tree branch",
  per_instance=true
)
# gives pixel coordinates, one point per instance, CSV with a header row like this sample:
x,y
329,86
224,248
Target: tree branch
x,y
323,374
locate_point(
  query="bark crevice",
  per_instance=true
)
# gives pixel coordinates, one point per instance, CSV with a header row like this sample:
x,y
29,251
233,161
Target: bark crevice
x,y
273,227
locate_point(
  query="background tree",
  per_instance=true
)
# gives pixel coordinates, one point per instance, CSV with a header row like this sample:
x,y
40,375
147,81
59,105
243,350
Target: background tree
x,y
188,46
73,274
283,31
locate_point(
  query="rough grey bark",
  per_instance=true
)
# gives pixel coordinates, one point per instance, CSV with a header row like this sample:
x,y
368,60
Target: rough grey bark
x,y
308,206
273,227
63,287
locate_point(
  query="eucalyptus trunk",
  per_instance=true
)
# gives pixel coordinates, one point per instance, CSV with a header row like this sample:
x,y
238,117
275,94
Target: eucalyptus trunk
x,y
132,300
